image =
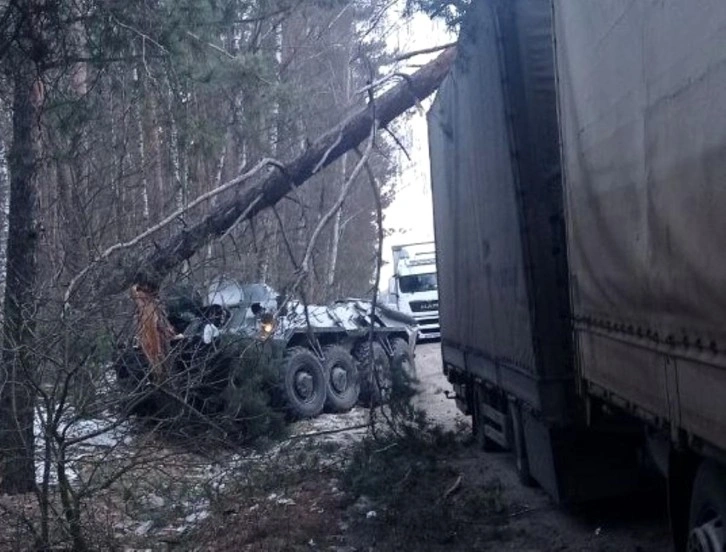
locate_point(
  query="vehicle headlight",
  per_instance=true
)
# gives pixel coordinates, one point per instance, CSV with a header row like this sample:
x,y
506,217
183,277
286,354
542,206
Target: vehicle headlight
x,y
267,325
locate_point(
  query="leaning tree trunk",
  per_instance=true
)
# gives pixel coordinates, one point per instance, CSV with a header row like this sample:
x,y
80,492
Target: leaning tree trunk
x,y
16,371
159,262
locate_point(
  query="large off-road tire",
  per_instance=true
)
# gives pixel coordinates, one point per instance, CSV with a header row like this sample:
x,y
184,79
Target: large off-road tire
x,y
403,361
303,383
374,373
707,515
341,376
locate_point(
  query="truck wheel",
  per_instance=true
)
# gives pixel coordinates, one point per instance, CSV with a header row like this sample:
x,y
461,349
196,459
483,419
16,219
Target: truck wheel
x,y
375,384
303,383
707,514
341,376
402,361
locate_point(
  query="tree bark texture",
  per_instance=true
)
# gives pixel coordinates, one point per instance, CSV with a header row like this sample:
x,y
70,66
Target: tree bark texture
x,y
4,212
16,371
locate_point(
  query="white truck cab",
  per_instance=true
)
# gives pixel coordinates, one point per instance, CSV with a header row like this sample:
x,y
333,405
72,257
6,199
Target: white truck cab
x,y
413,289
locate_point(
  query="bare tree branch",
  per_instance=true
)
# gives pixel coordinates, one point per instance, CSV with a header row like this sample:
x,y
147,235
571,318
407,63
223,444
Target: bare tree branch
x,y
171,218
392,103
398,142
212,46
339,203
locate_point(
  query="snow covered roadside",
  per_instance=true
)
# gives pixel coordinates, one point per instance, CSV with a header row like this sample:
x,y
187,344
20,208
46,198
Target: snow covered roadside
x,y
186,492
136,487
170,492
75,440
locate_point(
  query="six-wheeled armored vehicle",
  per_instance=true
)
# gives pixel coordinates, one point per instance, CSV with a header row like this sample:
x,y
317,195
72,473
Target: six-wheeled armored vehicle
x,y
309,358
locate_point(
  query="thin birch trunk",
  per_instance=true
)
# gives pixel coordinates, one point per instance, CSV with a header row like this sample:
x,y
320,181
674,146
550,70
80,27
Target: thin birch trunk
x,y
138,112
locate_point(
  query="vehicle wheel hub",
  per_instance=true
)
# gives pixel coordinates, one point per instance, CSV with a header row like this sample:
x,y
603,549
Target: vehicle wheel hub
x,y
707,537
304,385
339,379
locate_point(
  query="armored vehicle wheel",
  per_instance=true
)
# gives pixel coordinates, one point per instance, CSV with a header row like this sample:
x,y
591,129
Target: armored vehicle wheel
x,y
375,383
341,375
303,383
402,361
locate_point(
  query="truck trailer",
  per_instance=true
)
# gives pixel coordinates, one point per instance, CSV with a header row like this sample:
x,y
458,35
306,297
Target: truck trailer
x,y
578,161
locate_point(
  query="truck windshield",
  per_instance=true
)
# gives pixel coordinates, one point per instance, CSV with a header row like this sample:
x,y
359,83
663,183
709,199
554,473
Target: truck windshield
x,y
417,282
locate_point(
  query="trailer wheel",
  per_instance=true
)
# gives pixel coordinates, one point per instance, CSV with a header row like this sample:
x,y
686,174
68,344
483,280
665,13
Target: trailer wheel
x,y
303,383
706,532
375,383
341,376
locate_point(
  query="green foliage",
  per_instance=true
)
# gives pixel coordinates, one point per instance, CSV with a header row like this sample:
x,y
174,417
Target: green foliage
x,y
415,485
249,397
229,387
380,468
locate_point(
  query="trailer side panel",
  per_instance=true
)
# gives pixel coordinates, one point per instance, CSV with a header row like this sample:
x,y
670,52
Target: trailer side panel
x,y
642,104
498,207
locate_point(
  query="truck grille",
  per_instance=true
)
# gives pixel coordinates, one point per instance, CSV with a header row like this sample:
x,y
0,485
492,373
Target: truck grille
x,y
427,321
421,306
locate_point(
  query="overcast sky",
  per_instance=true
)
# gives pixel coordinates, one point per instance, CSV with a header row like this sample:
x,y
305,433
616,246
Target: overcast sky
x,y
410,216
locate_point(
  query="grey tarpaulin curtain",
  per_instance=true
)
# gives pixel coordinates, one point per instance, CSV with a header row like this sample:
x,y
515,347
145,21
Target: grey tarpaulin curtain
x,y
497,191
642,97
643,103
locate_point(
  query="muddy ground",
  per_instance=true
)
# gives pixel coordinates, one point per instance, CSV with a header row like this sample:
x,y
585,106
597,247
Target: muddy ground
x,y
442,494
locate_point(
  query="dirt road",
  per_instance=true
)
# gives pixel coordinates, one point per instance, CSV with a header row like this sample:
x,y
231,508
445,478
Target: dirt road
x,y
635,524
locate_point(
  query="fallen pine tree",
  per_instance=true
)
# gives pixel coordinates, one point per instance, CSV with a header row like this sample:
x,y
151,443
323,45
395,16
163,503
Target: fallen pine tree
x,y
121,265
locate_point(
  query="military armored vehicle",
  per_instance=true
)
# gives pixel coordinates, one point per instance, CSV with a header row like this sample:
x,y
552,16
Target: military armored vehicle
x,y
309,358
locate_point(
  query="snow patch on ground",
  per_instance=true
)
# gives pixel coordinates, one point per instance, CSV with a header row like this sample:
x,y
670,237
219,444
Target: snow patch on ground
x,y
83,439
174,496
